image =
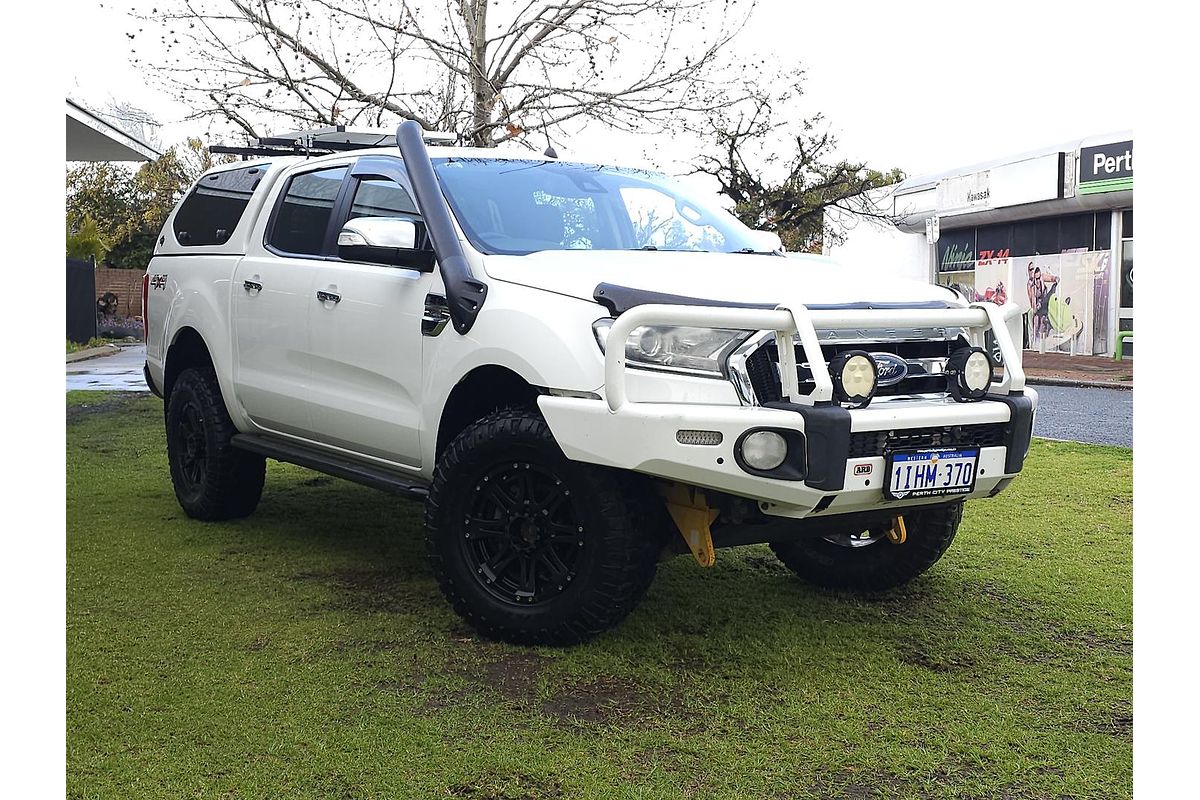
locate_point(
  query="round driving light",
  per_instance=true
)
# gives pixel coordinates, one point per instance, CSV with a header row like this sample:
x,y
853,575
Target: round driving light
x,y
977,373
764,450
854,376
969,371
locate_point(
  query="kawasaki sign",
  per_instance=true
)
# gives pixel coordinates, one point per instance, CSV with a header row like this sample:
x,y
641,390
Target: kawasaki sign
x,y
1106,168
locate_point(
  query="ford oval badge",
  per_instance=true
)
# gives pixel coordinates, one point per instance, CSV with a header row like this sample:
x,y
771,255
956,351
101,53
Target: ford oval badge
x,y
889,369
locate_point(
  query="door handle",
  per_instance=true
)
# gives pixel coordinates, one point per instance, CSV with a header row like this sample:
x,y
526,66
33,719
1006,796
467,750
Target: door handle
x,y
252,286
328,297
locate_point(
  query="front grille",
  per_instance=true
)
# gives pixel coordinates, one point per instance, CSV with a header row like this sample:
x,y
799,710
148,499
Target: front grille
x,y
880,443
762,368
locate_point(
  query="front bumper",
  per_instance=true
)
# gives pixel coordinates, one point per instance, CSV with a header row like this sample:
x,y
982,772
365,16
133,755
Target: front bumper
x,y
845,450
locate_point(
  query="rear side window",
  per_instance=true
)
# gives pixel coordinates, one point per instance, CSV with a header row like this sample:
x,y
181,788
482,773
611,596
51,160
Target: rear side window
x,y
210,213
304,210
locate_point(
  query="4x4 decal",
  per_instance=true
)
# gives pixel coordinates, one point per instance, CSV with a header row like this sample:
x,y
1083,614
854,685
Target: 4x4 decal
x,y
158,281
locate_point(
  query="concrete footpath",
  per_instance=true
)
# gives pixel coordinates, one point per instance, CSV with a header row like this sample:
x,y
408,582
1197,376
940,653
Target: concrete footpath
x,y
117,370
1060,369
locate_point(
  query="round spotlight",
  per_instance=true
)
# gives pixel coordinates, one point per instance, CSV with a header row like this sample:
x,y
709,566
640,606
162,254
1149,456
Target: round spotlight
x,y
854,375
969,372
764,450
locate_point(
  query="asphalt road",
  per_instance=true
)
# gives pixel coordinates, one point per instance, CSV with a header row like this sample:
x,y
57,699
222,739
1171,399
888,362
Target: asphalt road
x,y
1098,416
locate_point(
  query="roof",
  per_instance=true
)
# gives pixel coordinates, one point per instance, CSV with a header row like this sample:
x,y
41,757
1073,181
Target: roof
x,y
920,182
90,138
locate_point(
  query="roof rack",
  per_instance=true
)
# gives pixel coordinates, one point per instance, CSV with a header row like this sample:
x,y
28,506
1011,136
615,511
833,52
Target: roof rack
x,y
324,141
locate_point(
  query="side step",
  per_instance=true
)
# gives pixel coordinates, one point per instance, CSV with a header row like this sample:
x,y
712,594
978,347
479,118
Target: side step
x,y
331,465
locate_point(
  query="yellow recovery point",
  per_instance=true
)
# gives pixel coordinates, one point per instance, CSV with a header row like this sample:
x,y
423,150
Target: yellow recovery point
x,y
689,509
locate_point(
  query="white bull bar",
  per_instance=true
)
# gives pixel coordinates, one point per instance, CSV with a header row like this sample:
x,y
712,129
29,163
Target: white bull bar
x,y
803,323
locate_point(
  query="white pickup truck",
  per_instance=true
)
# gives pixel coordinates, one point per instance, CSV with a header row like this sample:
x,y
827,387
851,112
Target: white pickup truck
x,y
577,367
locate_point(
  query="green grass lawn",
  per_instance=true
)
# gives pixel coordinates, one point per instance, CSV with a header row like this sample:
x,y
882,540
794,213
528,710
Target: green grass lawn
x,y
307,652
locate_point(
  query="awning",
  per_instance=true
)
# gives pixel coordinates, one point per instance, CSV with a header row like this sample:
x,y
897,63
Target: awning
x,y
90,138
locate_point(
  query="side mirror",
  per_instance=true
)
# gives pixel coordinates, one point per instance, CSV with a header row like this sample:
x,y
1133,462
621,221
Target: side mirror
x,y
391,241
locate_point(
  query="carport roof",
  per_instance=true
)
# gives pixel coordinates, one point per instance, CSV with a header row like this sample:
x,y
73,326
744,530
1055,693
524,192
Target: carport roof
x,y
90,138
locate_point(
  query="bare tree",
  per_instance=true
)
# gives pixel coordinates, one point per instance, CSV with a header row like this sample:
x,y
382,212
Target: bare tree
x,y
489,70
783,176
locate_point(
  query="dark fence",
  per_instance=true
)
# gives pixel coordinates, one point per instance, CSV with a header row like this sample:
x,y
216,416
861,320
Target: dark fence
x,y
81,300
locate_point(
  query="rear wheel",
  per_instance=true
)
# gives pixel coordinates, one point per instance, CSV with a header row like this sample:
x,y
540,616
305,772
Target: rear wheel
x,y
867,561
213,480
528,546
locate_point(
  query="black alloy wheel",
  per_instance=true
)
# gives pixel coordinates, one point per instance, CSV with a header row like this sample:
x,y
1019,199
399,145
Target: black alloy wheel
x,y
522,536
189,435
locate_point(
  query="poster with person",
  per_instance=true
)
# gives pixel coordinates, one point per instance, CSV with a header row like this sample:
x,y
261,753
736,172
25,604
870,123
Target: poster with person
x,y
993,277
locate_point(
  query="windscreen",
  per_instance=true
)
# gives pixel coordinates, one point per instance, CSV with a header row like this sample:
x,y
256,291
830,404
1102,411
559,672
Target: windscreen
x,y
518,207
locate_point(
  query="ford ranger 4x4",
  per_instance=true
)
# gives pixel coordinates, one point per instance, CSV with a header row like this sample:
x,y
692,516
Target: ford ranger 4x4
x,y
577,368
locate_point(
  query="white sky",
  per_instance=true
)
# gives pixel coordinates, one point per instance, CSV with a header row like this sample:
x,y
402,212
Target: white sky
x,y
925,87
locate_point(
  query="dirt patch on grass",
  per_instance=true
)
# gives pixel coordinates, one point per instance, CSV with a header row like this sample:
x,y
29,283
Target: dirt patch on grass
x,y
113,401
369,590
1116,721
600,701
514,676
517,787
518,678
921,655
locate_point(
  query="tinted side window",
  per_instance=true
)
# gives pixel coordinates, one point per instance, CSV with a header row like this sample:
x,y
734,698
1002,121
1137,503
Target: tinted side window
x,y
382,197
214,207
302,216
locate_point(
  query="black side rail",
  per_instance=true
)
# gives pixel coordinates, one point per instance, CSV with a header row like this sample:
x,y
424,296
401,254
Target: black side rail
x,y
465,293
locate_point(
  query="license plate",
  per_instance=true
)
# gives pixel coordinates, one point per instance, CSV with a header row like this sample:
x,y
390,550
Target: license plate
x,y
924,473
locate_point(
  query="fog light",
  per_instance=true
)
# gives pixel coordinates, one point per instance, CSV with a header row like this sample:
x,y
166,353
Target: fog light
x,y
764,450
969,372
854,374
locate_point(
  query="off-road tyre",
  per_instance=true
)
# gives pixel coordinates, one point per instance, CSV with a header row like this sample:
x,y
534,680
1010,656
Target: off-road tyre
x,y
880,565
511,454
213,480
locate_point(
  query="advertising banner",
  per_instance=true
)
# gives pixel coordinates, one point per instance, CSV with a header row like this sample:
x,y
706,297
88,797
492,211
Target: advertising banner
x,y
993,277
1067,298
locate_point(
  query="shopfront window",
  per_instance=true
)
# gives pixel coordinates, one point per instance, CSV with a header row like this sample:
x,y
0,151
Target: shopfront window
x,y
1059,270
1127,267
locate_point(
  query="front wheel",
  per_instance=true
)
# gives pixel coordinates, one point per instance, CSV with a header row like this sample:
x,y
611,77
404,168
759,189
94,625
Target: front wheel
x,y
867,561
528,546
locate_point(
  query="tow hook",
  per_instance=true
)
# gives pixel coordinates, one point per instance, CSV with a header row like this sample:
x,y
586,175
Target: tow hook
x,y
897,534
689,508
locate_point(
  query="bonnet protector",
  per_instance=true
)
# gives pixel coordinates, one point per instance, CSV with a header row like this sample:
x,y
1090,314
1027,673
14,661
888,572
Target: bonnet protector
x,y
619,299
464,292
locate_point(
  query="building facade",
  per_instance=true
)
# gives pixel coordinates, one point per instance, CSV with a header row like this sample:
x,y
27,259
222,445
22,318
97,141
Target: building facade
x,y
1050,230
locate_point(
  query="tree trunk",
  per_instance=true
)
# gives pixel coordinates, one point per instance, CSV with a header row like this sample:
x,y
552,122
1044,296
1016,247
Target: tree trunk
x,y
481,90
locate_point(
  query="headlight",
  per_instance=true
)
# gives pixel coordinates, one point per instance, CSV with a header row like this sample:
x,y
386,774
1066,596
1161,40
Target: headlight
x,y
678,349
